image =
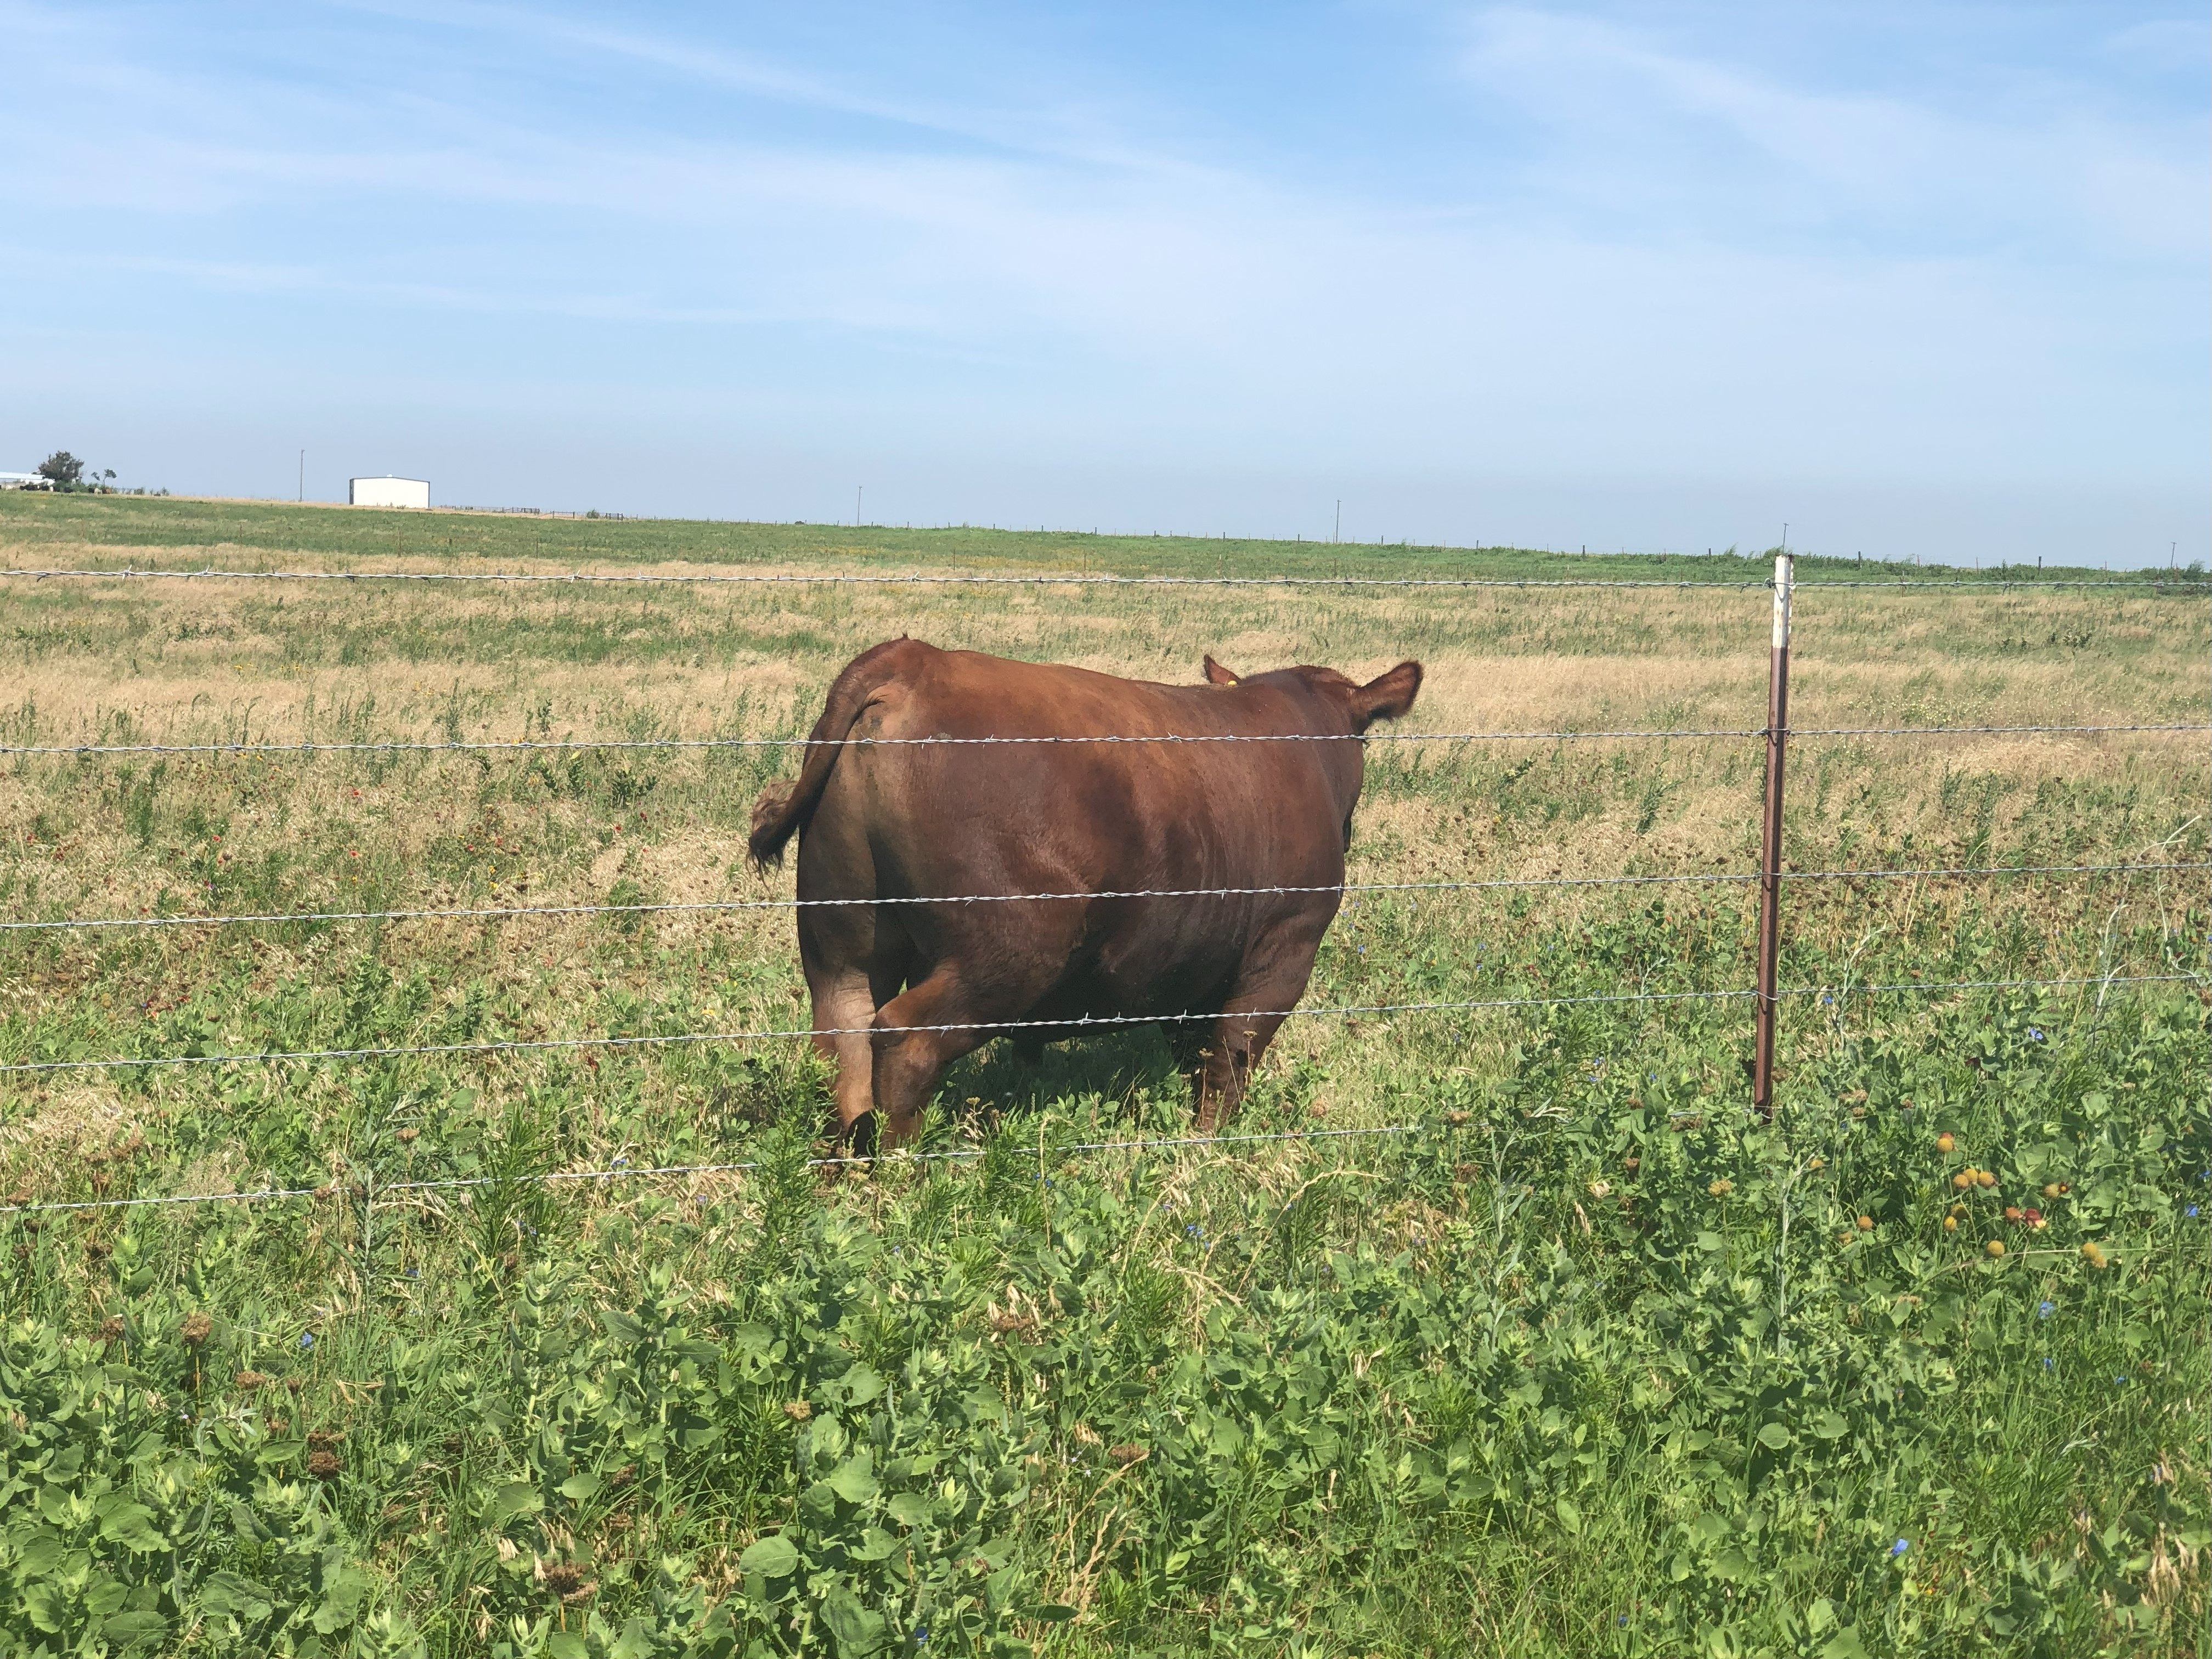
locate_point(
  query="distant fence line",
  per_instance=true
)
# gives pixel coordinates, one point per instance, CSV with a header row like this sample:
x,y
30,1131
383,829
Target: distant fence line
x,y
543,512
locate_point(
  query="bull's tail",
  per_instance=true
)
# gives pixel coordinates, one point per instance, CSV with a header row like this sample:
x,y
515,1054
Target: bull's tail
x,y
784,808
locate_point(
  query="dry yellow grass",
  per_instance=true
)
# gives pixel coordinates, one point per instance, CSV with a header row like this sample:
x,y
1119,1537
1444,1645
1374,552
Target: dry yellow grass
x,y
200,661
115,661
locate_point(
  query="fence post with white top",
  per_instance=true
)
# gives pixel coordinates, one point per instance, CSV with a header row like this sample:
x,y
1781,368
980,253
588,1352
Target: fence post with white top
x,y
1770,857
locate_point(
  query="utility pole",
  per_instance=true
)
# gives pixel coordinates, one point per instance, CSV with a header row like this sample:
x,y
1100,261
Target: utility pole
x,y
858,490
303,475
1338,536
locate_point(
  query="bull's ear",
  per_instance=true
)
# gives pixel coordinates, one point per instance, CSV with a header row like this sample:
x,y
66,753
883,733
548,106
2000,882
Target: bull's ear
x,y
1387,697
1216,675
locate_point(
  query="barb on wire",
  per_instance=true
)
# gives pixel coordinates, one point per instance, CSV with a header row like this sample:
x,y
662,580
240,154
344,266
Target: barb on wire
x,y
1093,1022
624,1171
507,912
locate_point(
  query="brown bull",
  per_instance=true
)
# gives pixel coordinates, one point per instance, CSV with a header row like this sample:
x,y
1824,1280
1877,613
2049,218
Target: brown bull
x,y
943,821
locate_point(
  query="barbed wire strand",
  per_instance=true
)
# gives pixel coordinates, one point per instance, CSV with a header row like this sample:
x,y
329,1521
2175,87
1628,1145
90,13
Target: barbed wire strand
x,y
567,744
1801,583
888,580
496,912
1972,730
1096,1023
624,1171
1070,1026
255,1196
1079,580
957,1154
502,912
403,746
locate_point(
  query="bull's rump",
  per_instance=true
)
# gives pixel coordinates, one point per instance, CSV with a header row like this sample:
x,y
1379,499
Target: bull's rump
x,y
989,821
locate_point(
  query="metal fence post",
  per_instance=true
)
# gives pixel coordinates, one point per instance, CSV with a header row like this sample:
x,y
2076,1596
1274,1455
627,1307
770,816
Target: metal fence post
x,y
1770,856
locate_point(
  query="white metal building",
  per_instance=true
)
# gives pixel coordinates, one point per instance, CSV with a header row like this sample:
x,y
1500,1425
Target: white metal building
x,y
388,492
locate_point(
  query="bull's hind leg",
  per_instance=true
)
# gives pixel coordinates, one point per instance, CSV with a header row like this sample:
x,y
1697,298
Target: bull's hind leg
x,y
1273,979
853,966
910,1057
844,1013
1237,1039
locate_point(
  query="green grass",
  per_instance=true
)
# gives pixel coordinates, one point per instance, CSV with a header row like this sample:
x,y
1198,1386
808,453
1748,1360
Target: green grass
x,y
1586,1360
36,524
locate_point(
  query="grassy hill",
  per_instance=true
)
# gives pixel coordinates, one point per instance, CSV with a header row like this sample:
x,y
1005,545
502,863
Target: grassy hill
x,y
118,529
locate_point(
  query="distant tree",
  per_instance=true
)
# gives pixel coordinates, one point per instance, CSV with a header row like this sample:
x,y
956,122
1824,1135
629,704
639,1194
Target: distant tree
x,y
61,469
108,476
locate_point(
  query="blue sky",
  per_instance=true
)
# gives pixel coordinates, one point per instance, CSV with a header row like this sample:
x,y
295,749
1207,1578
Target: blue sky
x,y
1918,279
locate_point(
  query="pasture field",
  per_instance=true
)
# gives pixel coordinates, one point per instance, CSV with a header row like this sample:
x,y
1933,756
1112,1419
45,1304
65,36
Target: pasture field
x,y
1571,1354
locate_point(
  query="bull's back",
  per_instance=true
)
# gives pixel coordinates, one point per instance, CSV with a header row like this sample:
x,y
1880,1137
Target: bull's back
x,y
1143,800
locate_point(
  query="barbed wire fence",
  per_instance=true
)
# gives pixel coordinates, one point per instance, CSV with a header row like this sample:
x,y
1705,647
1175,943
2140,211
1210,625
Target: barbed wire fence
x,y
501,913
498,745
622,1170
1774,733
2150,581
1085,1023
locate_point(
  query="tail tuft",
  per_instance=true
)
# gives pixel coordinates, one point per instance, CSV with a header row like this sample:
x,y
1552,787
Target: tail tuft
x,y
776,816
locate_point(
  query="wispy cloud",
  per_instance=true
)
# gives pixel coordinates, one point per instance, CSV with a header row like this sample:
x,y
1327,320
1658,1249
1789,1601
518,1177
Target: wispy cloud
x,y
1642,127
1061,125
